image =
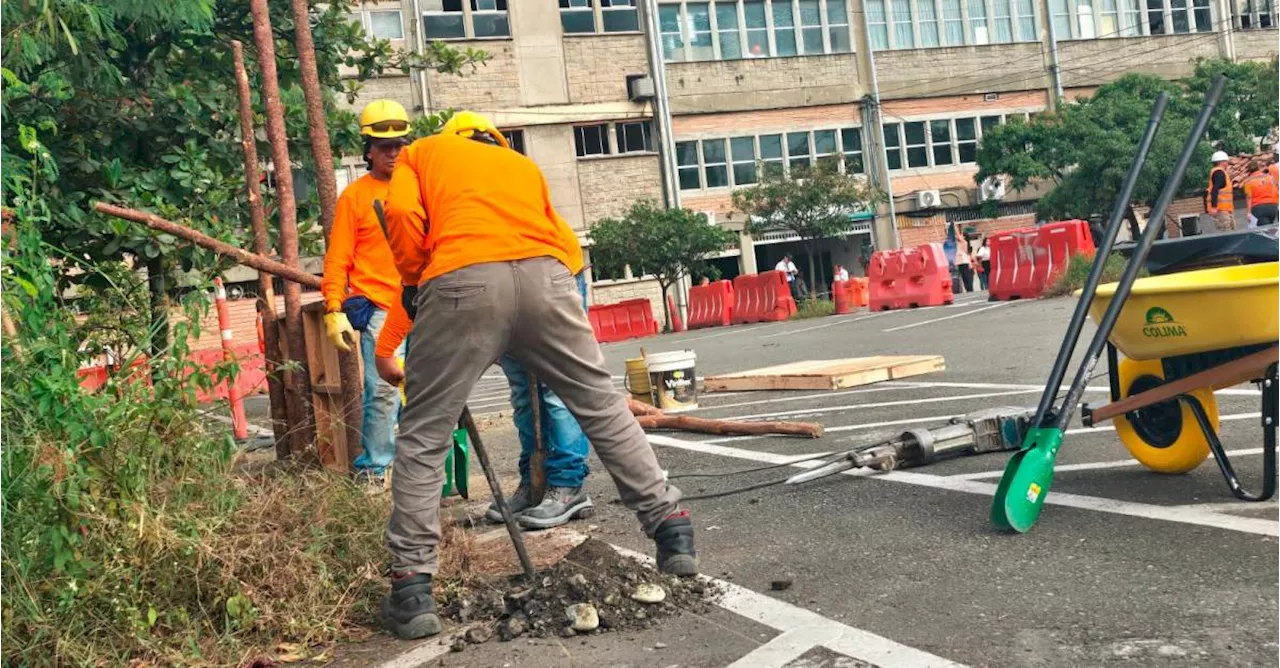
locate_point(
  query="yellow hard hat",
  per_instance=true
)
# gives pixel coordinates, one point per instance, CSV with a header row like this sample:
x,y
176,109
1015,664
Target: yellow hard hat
x,y
468,123
384,119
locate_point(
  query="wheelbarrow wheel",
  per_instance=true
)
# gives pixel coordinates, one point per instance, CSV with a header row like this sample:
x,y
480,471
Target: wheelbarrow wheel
x,y
1163,437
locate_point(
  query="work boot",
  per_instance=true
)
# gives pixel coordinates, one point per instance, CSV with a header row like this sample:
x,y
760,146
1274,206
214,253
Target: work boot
x,y
560,505
518,503
409,611
674,537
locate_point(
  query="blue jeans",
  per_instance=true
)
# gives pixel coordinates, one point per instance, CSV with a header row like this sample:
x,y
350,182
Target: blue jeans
x,y
381,404
566,445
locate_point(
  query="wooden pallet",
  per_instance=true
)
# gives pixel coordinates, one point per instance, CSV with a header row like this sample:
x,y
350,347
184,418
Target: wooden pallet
x,y
827,374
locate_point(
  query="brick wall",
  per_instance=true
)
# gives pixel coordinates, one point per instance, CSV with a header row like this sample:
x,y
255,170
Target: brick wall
x,y
244,321
960,105
991,68
771,120
1094,62
1256,44
597,66
493,85
916,231
763,83
610,185
391,87
612,292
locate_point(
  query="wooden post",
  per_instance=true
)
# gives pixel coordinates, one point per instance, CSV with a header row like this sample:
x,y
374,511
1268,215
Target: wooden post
x,y
299,391
280,407
351,396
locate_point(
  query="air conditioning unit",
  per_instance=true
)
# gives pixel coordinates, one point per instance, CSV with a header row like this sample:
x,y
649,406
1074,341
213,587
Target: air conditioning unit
x,y
928,199
640,87
711,216
991,188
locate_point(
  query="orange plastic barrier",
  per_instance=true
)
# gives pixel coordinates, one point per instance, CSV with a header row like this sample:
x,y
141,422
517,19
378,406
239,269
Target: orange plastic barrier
x,y
763,297
840,295
849,295
251,379
711,305
858,292
630,319
677,325
887,280
1025,261
928,276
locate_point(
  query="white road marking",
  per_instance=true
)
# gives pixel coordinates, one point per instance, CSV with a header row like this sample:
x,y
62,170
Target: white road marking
x,y
882,404
1095,503
842,319
1090,466
947,317
420,655
1111,427
802,629
1234,391
1232,505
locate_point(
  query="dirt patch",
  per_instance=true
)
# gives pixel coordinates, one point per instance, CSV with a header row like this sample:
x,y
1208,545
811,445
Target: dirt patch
x,y
592,590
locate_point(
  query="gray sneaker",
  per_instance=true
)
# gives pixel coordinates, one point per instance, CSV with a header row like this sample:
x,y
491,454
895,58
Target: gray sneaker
x,y
518,503
560,505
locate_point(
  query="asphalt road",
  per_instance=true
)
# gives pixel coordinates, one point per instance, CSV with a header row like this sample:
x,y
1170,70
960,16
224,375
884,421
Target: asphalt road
x,y
1124,567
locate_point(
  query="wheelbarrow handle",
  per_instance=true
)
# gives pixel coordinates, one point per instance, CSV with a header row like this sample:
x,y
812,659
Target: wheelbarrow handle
x,y
1076,325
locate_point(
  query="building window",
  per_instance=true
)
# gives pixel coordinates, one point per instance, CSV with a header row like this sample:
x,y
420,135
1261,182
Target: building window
x,y
727,31
577,16
953,22
1004,21
1131,18
385,24
515,139
978,21
967,139
619,16
733,29
893,145
929,35
591,139
798,151
742,151
903,33
877,23
940,140
634,137
1109,18
825,152
474,19
917,144
1254,13
851,147
1204,16
687,165
771,154
444,19
1028,31
715,165
1093,19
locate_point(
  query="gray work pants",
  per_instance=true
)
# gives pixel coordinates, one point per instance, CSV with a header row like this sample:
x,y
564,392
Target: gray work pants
x,y
466,320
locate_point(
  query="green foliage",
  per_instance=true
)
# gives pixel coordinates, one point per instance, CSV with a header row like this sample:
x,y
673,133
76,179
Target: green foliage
x,y
667,243
1077,271
127,536
813,203
814,308
136,102
1084,149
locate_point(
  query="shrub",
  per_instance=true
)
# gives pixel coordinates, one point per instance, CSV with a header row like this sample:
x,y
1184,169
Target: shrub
x,y
1073,277
814,308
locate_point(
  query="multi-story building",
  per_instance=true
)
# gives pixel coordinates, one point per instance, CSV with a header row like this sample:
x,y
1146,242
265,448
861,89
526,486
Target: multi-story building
x,y
900,90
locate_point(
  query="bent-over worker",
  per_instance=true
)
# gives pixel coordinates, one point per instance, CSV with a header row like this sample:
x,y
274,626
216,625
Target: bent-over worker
x,y
489,268
1263,190
360,281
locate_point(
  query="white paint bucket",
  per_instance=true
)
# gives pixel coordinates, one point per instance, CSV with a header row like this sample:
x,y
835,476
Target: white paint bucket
x,y
673,380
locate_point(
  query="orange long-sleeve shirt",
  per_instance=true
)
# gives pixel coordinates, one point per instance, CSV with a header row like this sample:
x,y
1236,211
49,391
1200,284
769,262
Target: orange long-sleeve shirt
x,y
358,256
455,202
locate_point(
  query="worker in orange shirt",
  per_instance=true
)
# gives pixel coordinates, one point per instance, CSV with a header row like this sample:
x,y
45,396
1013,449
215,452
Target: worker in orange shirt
x,y
1219,197
360,280
1263,193
489,269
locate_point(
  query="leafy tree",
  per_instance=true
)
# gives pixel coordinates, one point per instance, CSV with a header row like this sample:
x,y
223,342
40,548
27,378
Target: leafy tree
x,y
667,243
136,103
1085,147
814,203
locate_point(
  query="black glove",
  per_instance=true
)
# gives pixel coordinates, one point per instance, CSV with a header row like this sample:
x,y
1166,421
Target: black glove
x,y
409,299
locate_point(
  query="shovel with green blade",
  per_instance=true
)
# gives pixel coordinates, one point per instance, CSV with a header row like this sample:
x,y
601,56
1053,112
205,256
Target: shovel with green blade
x,y
1029,473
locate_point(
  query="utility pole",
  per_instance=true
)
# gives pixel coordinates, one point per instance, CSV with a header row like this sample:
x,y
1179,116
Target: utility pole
x,y
1055,72
873,131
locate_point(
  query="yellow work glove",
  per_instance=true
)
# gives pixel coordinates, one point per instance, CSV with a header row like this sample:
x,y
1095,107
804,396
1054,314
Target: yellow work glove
x,y
335,326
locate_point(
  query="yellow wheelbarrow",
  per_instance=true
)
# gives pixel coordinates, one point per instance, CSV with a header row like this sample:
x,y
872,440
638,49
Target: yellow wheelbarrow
x,y
1183,336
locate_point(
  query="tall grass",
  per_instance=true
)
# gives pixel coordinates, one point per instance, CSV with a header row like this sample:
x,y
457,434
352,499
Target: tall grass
x,y
1073,277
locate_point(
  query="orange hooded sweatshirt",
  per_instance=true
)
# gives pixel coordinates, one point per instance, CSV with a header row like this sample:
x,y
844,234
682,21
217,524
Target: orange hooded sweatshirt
x,y
455,202
357,255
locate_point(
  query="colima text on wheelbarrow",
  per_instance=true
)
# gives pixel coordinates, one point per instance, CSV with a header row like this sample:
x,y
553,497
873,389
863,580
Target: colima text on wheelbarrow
x,y
1160,324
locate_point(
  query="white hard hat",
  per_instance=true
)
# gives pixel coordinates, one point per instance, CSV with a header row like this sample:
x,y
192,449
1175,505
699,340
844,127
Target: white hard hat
x,y
1219,156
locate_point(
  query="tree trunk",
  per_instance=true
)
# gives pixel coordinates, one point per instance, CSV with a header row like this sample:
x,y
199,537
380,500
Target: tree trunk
x,y
156,285
666,312
813,267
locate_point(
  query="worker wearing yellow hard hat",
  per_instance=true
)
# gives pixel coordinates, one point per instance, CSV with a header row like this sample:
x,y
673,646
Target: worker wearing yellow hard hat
x,y
490,270
360,282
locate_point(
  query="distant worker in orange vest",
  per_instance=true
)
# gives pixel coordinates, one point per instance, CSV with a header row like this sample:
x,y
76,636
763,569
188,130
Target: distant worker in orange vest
x,y
360,280
1219,200
1263,192
488,268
